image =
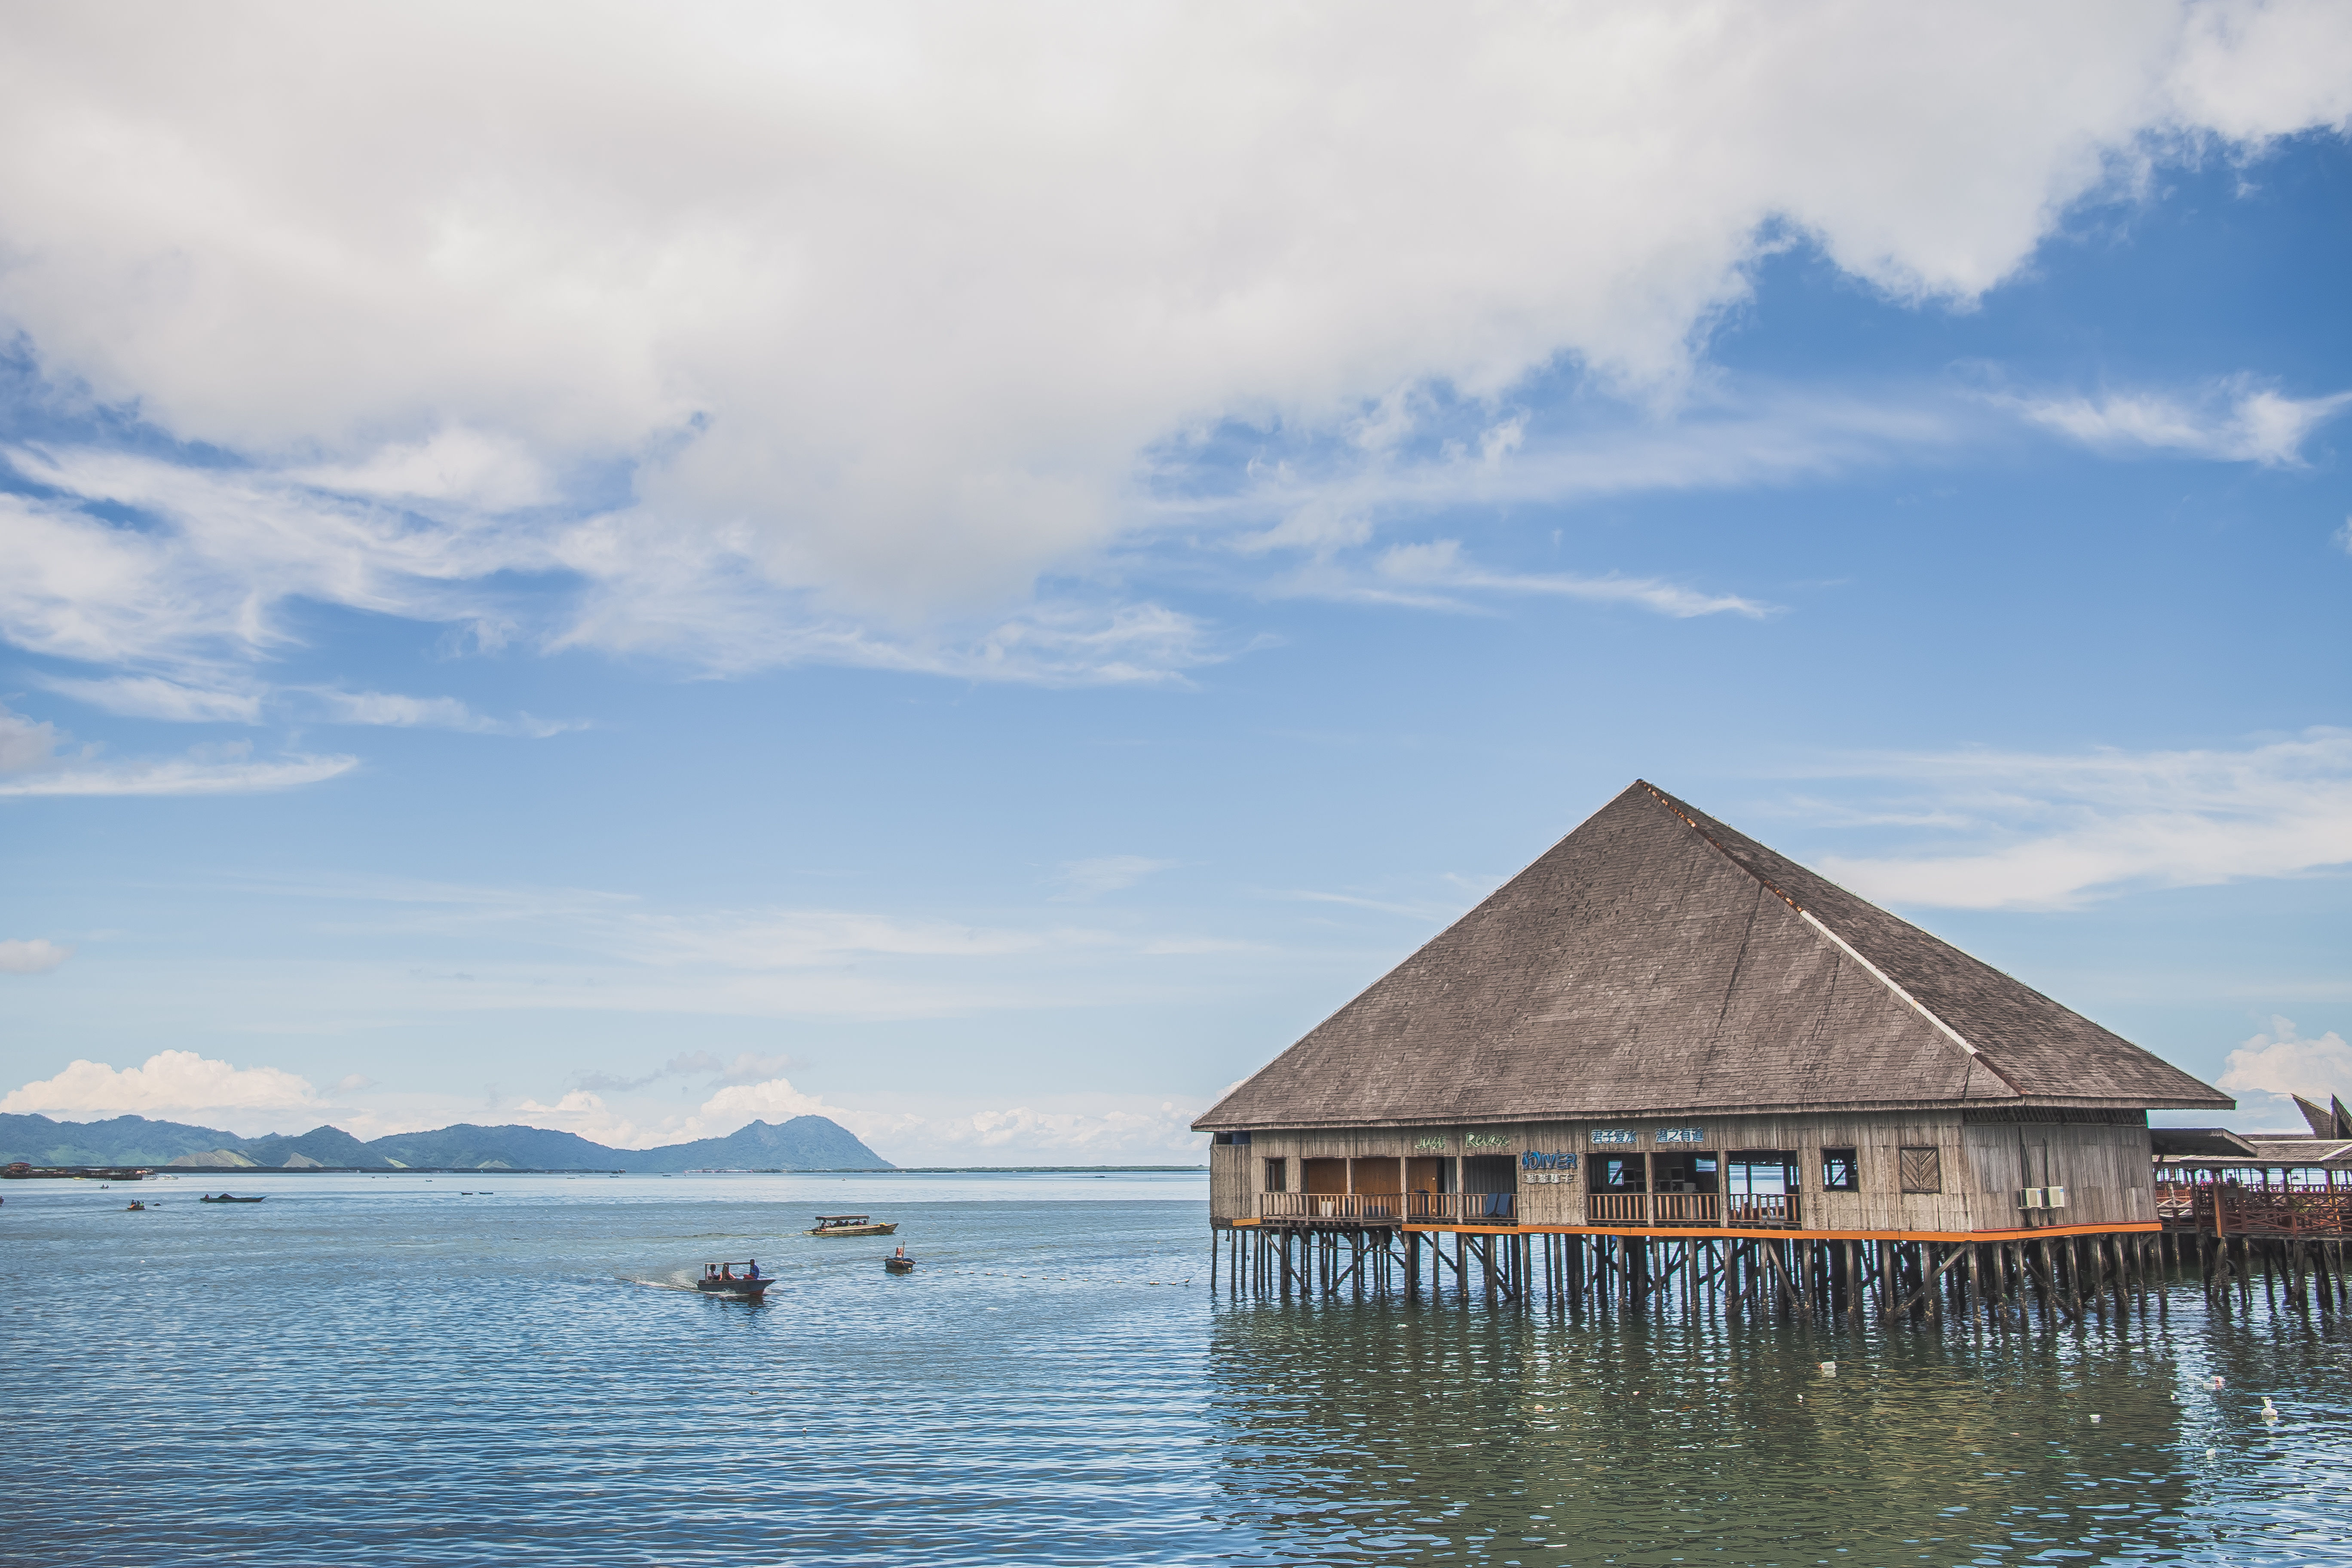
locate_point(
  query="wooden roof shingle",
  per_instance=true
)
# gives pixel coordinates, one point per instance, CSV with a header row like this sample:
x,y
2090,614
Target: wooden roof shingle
x,y
1656,962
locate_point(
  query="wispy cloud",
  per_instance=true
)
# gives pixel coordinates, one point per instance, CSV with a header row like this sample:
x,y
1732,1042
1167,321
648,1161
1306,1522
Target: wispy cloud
x,y
1440,567
616,954
152,697
34,762
392,708
1427,912
181,775
2235,421
1082,880
205,586
480,471
2053,831
748,1067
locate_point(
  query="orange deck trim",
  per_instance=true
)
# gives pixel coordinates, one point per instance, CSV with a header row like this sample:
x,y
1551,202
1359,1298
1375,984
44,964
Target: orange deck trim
x,y
1670,1232
1776,1234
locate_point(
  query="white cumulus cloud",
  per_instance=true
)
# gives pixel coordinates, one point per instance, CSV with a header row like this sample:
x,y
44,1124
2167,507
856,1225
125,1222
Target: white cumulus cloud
x,y
584,1113
797,333
31,955
169,1085
2268,1068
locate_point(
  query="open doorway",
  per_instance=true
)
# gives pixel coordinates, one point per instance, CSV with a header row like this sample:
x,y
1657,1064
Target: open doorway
x,y
1492,1184
1759,1186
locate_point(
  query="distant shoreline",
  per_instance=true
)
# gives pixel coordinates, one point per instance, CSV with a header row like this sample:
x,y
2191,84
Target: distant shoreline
x,y
242,1171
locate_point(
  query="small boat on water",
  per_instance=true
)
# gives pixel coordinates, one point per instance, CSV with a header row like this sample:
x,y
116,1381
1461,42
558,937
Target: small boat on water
x,y
721,1279
899,1263
851,1225
134,1206
224,1198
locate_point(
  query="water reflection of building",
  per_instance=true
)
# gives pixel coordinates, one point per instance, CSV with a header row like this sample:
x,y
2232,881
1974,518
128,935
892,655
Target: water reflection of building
x,y
1664,1046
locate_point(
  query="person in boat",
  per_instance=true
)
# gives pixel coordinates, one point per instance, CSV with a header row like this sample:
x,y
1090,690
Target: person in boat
x,y
902,1249
752,1270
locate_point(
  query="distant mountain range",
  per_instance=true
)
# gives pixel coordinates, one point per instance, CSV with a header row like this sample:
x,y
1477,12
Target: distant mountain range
x,y
804,1143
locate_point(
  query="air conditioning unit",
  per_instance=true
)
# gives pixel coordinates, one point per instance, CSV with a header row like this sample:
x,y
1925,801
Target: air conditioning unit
x,y
2054,1197
2033,1197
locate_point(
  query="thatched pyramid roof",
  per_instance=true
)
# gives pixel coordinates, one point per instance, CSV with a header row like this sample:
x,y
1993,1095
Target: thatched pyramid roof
x,y
1656,962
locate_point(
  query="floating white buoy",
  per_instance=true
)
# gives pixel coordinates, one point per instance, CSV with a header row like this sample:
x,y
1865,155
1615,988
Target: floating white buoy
x,y
2270,1411
1829,1369
2094,1420
2210,1452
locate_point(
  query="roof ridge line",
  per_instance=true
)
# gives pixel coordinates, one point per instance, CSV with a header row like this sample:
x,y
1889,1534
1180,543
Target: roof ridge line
x,y
1838,942
1663,798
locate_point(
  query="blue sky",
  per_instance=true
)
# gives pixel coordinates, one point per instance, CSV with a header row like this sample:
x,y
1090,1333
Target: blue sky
x,y
981,580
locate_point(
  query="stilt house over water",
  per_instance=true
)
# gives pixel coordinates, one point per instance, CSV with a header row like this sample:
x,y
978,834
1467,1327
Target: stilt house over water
x,y
1663,1029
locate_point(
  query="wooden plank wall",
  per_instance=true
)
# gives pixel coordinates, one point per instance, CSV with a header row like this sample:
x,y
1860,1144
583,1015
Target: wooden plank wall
x,y
2107,1170
1234,1176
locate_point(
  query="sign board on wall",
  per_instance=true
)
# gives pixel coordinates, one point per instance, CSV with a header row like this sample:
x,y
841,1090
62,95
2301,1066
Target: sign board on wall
x,y
1541,1170
1681,1135
1429,1146
1487,1140
1615,1135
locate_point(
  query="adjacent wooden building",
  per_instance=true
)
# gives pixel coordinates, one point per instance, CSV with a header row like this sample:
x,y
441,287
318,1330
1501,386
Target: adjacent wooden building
x,y
1663,1029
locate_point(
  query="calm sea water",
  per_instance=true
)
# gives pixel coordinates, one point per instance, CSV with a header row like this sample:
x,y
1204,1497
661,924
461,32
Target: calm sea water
x,y
496,1369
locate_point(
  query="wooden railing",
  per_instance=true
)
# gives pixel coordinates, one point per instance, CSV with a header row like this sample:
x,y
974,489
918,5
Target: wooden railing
x,y
1356,1208
1617,1208
1759,1208
2233,1211
1464,1208
1689,1208
1390,1208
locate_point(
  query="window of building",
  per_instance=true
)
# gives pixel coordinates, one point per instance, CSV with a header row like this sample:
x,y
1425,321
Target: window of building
x,y
1760,1172
1618,1174
1686,1173
1922,1170
1840,1172
1278,1175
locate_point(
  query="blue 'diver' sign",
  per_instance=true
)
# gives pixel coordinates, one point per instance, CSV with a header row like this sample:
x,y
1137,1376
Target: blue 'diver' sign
x,y
1538,1169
